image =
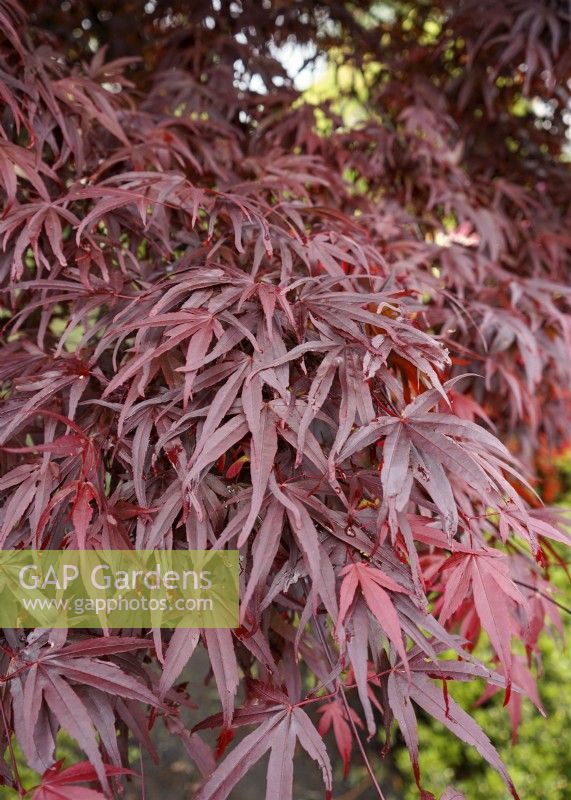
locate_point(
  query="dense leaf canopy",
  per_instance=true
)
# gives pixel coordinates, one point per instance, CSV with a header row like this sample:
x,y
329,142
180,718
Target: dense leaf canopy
x,y
233,319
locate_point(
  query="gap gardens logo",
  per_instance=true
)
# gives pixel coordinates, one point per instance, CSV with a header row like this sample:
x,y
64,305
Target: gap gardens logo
x,y
119,588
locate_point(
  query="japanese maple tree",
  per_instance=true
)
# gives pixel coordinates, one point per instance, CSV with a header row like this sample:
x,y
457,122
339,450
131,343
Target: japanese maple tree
x,y
232,320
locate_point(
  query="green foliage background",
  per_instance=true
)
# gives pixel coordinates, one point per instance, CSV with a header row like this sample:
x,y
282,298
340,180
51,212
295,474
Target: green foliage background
x,y
540,762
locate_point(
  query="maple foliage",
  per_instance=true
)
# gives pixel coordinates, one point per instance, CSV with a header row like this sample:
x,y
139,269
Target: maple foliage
x,y
230,320
62,784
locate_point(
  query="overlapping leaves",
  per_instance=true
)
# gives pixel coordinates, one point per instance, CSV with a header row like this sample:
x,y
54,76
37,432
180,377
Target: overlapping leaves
x,y
214,339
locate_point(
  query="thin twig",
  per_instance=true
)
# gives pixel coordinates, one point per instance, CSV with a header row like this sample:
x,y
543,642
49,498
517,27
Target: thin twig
x,y
355,732
143,794
545,595
356,791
